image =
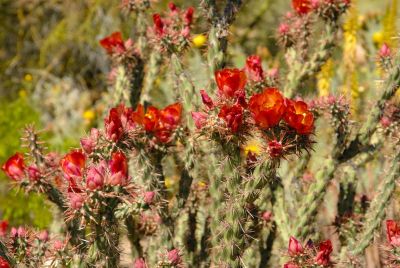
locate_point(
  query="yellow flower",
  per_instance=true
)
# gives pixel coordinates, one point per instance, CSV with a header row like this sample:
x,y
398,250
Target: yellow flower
x,y
377,37
28,77
252,146
22,93
89,115
170,182
199,40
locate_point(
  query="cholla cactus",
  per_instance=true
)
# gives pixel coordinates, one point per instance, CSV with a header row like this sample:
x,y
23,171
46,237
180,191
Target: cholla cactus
x,y
227,181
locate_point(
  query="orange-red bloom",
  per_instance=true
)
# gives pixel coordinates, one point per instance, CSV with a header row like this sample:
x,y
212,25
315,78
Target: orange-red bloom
x,y
118,168
267,107
230,82
15,167
299,117
393,233
233,116
301,6
73,164
113,43
168,121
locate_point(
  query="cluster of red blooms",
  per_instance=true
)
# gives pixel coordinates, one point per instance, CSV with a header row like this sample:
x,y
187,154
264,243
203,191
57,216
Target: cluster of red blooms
x,y
160,123
309,255
268,108
172,32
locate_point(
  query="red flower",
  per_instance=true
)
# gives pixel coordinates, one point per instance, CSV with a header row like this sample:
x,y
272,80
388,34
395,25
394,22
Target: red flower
x,y
393,233
295,248
151,118
253,68
199,119
4,263
138,116
299,117
188,19
158,24
33,172
267,107
119,169
301,6
233,116
230,82
3,227
113,124
95,177
168,121
113,43
15,167
72,165
323,255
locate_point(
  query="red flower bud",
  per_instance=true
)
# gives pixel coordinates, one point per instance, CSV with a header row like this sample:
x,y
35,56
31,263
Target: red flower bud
x,y
299,117
113,124
158,24
267,108
295,248
15,167
3,227
393,233
230,82
172,7
95,178
275,148
290,265
174,257
13,232
119,169
113,43
385,51
266,216
233,116
76,201
323,255
148,197
21,232
188,19
253,68
206,99
58,245
302,7
200,119
43,236
88,144
139,263
4,263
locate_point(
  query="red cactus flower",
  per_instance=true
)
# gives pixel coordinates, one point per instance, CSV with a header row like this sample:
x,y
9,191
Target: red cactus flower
x,y
275,148
14,167
267,108
233,116
119,169
73,164
113,43
302,7
168,120
158,24
299,117
174,257
4,263
138,115
206,99
253,68
172,7
393,233
199,119
151,118
324,253
230,82
295,248
188,17
3,227
113,124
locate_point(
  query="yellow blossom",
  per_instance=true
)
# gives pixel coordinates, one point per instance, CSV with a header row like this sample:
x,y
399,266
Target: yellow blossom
x,y
199,40
252,146
22,93
89,114
28,77
377,37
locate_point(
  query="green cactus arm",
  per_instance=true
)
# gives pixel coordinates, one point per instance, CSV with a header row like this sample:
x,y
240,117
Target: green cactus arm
x,y
376,212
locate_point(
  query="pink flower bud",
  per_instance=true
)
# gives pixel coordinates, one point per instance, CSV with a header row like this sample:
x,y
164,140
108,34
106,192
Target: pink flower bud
x,y
58,245
295,247
385,122
172,7
14,232
188,19
273,73
139,263
290,265
174,257
94,178
385,51
34,173
149,197
206,99
283,29
323,255
88,144
43,236
76,201
200,119
266,216
21,232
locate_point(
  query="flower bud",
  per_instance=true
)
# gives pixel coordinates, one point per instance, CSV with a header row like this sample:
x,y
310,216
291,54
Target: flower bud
x,y
385,51
174,257
4,263
149,197
76,201
206,99
14,167
34,173
139,263
200,119
295,248
266,216
21,232
275,148
58,245
43,236
3,227
94,178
